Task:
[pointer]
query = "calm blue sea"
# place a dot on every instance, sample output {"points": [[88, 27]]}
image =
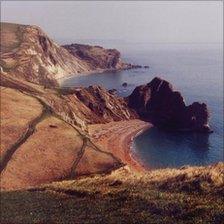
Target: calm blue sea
{"points": [[194, 69]]}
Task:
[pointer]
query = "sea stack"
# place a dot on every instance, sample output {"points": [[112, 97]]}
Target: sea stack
{"points": [[158, 103]]}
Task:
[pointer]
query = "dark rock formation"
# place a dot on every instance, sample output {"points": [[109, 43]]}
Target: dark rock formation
{"points": [[112, 91], [136, 66], [130, 66], [158, 103]]}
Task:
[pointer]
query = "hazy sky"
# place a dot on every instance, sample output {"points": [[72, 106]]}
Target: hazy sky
{"points": [[141, 21]]}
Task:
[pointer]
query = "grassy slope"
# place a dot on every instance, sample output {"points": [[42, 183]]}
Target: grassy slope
{"points": [[122, 197], [40, 149], [17, 111]]}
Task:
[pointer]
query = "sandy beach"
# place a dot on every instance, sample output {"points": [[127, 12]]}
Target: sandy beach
{"points": [[117, 137]]}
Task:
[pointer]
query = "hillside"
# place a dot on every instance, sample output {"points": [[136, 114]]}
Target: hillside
{"points": [[32, 117], [185, 196], [28, 53]]}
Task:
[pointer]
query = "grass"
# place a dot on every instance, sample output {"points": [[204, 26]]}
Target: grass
{"points": [[106, 199], [17, 111]]}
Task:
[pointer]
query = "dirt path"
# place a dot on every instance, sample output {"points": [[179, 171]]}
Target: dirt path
{"points": [[5, 158], [80, 155]]}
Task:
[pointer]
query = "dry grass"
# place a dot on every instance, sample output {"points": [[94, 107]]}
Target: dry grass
{"points": [[120, 197], [17, 110], [205, 179], [94, 161], [54, 151], [47, 155]]}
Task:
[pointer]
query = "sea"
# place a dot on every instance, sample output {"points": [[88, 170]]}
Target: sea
{"points": [[196, 70]]}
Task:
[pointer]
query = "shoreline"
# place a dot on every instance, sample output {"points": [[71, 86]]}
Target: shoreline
{"points": [[134, 156], [97, 71], [61, 79], [117, 138]]}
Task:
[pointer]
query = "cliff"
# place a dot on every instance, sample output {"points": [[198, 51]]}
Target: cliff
{"points": [[28, 53], [160, 104], [97, 57]]}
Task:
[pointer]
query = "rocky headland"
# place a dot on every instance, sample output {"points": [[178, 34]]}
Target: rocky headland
{"points": [[81, 138], [98, 58], [158, 103]]}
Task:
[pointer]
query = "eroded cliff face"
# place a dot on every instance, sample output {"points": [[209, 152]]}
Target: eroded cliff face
{"points": [[160, 104], [106, 106], [28, 53]]}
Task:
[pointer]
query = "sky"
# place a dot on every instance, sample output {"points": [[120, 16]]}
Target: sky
{"points": [[132, 21]]}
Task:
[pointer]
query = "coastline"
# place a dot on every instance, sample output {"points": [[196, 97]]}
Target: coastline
{"points": [[117, 138], [97, 71], [134, 156]]}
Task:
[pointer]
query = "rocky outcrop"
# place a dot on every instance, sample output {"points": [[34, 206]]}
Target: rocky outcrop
{"points": [[104, 105], [97, 57], [160, 104]]}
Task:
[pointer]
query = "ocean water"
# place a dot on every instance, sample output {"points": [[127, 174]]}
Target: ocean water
{"points": [[196, 70]]}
